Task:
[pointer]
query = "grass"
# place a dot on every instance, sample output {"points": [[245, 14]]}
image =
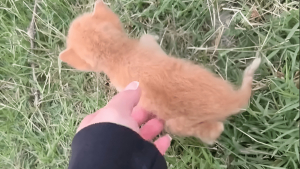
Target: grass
{"points": [[222, 35]]}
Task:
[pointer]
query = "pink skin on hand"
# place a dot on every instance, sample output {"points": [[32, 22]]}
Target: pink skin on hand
{"points": [[122, 110]]}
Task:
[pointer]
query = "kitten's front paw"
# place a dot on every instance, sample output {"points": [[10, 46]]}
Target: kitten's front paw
{"points": [[209, 132], [149, 38]]}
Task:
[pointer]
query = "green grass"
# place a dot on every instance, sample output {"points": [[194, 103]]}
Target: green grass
{"points": [[265, 136]]}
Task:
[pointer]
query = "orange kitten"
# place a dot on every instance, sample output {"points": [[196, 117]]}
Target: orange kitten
{"points": [[192, 100]]}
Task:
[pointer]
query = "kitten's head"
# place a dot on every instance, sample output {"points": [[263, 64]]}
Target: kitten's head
{"points": [[91, 37]]}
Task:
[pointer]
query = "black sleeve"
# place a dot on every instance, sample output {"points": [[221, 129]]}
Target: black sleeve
{"points": [[111, 146]]}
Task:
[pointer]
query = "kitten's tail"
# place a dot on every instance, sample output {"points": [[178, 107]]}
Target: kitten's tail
{"points": [[244, 93]]}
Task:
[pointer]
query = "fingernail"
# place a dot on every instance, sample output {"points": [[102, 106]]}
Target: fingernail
{"points": [[169, 137], [132, 86]]}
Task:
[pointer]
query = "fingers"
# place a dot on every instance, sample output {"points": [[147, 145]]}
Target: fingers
{"points": [[126, 100], [140, 115], [151, 129], [163, 143]]}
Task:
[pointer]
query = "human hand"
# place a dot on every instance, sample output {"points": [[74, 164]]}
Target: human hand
{"points": [[122, 110]]}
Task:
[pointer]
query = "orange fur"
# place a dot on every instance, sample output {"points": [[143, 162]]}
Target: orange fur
{"points": [[192, 100]]}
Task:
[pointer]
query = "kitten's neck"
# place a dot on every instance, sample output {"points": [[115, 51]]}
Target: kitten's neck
{"points": [[118, 67], [123, 53]]}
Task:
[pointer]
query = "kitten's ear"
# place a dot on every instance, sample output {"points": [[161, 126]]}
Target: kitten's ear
{"points": [[101, 9], [71, 58], [105, 13]]}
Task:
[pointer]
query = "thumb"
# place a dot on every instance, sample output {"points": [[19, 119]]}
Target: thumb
{"points": [[125, 101]]}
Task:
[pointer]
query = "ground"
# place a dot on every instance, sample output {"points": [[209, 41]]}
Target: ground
{"points": [[42, 100]]}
